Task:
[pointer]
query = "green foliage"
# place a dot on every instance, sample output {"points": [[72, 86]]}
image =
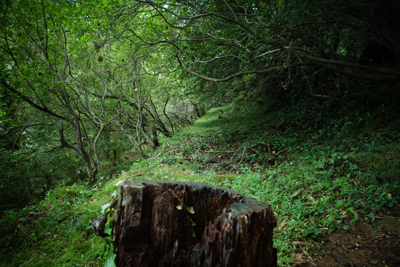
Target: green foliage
{"points": [[315, 187], [108, 81], [332, 176], [108, 246], [27, 178], [56, 231]]}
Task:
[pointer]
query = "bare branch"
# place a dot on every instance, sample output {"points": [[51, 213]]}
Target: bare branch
{"points": [[335, 98], [220, 57], [352, 74], [352, 65], [240, 149], [178, 55], [30, 102]]}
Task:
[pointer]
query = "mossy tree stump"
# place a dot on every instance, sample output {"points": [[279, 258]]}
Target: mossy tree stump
{"points": [[164, 223]]}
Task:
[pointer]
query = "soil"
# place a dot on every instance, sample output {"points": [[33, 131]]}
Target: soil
{"points": [[364, 244]]}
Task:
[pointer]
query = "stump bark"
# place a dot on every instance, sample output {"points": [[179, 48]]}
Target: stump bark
{"points": [[164, 223]]}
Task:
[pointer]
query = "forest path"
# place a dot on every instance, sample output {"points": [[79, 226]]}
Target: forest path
{"points": [[361, 245]]}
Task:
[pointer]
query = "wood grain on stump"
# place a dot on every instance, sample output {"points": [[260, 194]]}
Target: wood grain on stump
{"points": [[165, 223]]}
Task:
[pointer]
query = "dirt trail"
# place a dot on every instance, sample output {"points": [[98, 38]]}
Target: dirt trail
{"points": [[361, 245]]}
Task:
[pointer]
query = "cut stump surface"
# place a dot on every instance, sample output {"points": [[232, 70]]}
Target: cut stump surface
{"points": [[165, 223]]}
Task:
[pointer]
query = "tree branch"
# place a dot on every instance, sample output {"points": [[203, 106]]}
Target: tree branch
{"points": [[178, 55], [30, 102]]}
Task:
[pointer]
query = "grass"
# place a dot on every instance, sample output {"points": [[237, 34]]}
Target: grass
{"points": [[320, 171]]}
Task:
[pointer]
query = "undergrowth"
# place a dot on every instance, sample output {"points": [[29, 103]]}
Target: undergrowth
{"points": [[321, 169]]}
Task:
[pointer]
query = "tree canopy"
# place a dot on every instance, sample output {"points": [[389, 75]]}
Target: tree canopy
{"points": [[79, 78]]}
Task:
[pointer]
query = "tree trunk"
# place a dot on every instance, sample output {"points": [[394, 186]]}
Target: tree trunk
{"points": [[137, 145], [162, 223]]}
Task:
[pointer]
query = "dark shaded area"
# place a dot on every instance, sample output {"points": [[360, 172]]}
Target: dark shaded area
{"points": [[378, 54]]}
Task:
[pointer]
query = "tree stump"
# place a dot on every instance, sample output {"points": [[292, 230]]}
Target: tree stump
{"points": [[164, 223]]}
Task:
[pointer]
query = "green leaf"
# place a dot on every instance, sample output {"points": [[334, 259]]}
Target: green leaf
{"points": [[111, 261], [355, 219], [179, 207], [107, 230], [321, 165], [330, 172], [190, 210], [104, 207]]}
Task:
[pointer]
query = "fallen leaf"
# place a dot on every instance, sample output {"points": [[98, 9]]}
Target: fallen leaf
{"points": [[295, 243], [342, 259], [318, 253], [299, 259]]}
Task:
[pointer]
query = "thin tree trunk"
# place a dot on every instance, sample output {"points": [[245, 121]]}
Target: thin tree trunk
{"points": [[165, 114]]}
